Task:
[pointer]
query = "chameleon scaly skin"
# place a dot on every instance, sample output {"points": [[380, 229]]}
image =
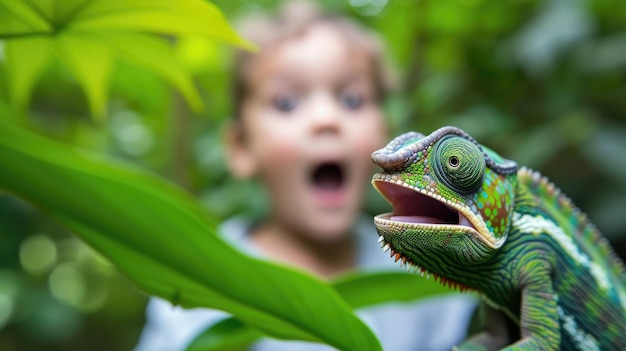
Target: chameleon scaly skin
{"points": [[477, 222]]}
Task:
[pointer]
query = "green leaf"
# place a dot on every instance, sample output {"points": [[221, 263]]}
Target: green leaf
{"points": [[154, 54], [367, 289], [17, 17], [227, 334], [179, 17], [358, 289], [91, 63], [89, 35], [165, 242], [24, 67]]}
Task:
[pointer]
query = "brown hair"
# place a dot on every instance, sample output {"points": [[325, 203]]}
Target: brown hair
{"points": [[292, 20]]}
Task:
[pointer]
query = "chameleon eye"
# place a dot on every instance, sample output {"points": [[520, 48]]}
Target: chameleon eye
{"points": [[454, 162], [459, 164]]}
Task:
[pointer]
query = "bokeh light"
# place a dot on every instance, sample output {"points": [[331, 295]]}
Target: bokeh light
{"points": [[38, 254], [67, 284]]}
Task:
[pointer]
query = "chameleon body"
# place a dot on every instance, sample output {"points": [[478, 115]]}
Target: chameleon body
{"points": [[478, 222]]}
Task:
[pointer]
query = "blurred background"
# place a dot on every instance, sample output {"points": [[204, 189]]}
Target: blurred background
{"points": [[542, 82]]}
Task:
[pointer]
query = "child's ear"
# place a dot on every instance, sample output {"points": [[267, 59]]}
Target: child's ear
{"points": [[240, 158]]}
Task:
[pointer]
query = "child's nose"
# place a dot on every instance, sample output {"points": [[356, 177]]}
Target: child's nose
{"points": [[325, 114]]}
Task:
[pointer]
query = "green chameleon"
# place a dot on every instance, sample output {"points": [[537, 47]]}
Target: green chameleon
{"points": [[477, 222]]}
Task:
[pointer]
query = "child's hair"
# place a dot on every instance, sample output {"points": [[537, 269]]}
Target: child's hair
{"points": [[292, 20]]}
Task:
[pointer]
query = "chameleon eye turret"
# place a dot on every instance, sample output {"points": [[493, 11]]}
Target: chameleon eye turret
{"points": [[459, 164]]}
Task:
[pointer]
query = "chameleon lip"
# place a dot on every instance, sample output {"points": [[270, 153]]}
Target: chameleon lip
{"points": [[413, 207]]}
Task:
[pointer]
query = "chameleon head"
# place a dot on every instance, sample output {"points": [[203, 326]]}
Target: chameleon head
{"points": [[452, 199]]}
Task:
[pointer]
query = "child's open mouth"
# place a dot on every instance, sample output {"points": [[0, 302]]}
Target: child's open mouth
{"points": [[328, 176], [328, 181]]}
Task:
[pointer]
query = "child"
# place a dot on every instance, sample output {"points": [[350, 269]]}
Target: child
{"points": [[308, 116]]}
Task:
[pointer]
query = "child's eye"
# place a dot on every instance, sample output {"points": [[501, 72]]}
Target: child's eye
{"points": [[350, 99], [286, 102]]}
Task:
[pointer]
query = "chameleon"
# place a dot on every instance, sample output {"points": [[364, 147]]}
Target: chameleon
{"points": [[476, 221]]}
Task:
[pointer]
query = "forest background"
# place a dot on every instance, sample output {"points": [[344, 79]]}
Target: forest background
{"points": [[543, 82]]}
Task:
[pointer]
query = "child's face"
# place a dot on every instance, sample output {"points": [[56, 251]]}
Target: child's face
{"points": [[310, 123]]}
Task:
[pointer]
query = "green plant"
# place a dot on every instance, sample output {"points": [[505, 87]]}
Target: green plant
{"points": [[88, 37], [165, 242], [155, 233]]}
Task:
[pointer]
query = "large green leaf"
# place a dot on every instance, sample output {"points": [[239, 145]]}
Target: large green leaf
{"points": [[88, 36], [164, 242], [372, 288], [24, 68], [18, 17], [152, 53], [359, 290], [91, 63], [228, 334], [196, 17]]}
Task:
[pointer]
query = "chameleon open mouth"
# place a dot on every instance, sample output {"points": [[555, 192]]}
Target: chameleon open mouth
{"points": [[411, 206]]}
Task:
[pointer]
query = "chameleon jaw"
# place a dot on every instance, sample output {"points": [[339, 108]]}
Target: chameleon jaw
{"points": [[415, 208], [413, 267]]}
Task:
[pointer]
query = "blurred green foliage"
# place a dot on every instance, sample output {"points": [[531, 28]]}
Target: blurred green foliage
{"points": [[541, 82], [165, 243]]}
